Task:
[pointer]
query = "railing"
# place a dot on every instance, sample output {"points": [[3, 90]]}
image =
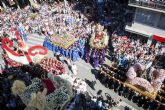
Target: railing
{"points": [[160, 5]]}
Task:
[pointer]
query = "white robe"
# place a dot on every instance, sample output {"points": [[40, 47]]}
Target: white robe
{"points": [[74, 69]]}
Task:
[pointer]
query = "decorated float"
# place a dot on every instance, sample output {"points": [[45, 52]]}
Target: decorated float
{"points": [[134, 81], [97, 45], [69, 34], [44, 94], [66, 44], [142, 85], [99, 38], [22, 54], [62, 41]]}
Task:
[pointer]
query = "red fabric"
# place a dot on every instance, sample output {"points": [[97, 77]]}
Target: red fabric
{"points": [[124, 37], [63, 70], [49, 85], [21, 44], [36, 47], [28, 58], [54, 68], [158, 38], [7, 47]]}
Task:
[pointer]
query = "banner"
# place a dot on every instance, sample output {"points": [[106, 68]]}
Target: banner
{"points": [[158, 38]]}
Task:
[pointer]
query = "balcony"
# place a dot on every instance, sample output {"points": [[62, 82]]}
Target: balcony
{"points": [[151, 5], [145, 30]]}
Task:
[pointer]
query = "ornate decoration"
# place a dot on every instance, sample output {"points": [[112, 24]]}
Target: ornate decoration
{"points": [[99, 39]]}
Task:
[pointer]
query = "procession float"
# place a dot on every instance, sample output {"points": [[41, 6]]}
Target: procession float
{"points": [[99, 38], [136, 81], [69, 37], [52, 93], [22, 54], [97, 45], [47, 90]]}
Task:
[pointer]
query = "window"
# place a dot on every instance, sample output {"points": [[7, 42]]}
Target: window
{"points": [[161, 23], [145, 17]]}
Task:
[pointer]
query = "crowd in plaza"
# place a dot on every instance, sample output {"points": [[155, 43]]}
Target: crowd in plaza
{"points": [[73, 31], [129, 51]]}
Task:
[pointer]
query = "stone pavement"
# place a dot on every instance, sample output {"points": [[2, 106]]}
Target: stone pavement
{"points": [[84, 72]]}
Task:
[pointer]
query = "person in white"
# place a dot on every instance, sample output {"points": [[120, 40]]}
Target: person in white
{"points": [[74, 69]]}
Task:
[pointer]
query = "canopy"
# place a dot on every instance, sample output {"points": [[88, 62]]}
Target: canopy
{"points": [[158, 38]]}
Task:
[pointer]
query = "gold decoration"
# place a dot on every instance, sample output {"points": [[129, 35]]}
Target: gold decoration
{"points": [[99, 37]]}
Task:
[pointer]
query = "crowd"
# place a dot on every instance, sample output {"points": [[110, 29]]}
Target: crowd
{"points": [[58, 18], [128, 51], [88, 102], [61, 19], [115, 15], [113, 78]]}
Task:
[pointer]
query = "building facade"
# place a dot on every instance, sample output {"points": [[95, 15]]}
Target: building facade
{"points": [[149, 19]]}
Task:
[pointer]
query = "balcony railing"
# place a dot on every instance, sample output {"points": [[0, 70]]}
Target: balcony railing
{"points": [[160, 5]]}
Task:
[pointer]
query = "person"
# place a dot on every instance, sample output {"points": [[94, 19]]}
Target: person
{"points": [[74, 69], [1, 68]]}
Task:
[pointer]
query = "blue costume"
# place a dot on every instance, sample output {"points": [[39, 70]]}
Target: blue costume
{"points": [[70, 53], [67, 53], [22, 33], [74, 56]]}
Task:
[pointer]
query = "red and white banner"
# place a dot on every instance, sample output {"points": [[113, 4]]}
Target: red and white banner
{"points": [[28, 56]]}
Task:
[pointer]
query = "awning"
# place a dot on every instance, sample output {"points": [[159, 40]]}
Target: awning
{"points": [[138, 31], [158, 38]]}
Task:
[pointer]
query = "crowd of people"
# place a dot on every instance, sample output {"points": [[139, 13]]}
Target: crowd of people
{"points": [[88, 102], [113, 78], [62, 19], [128, 51]]}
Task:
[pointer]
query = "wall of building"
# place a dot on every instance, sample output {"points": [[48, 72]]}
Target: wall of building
{"points": [[150, 18]]}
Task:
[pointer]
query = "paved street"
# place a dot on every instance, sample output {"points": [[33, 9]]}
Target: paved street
{"points": [[84, 72]]}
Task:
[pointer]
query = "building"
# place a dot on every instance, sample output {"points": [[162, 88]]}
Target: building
{"points": [[149, 19]]}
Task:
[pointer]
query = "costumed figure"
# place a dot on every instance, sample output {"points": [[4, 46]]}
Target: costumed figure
{"points": [[99, 41], [99, 37]]}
